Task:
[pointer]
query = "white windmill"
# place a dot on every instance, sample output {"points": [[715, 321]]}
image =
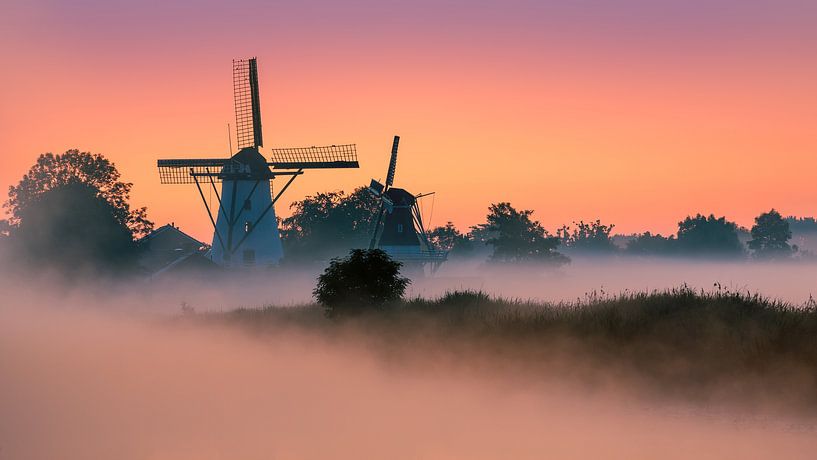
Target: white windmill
{"points": [[245, 230]]}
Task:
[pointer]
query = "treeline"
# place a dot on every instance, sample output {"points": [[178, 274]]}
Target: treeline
{"points": [[72, 211], [329, 224]]}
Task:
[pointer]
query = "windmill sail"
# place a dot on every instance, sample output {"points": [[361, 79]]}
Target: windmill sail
{"points": [[247, 103], [392, 162]]}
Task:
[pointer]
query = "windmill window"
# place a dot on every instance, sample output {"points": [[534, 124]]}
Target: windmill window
{"points": [[247, 227], [247, 204], [399, 228], [249, 257]]}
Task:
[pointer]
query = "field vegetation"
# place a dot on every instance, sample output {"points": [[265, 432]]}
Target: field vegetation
{"points": [[710, 347]]}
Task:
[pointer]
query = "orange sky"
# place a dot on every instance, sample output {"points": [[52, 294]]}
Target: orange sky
{"points": [[573, 113]]}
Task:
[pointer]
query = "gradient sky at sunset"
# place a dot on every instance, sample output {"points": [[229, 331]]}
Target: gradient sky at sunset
{"points": [[637, 112]]}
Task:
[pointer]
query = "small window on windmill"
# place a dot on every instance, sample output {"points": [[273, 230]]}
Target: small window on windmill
{"points": [[249, 257], [247, 227], [247, 204], [399, 228]]}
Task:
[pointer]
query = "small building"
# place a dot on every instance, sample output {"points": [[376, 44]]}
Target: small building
{"points": [[169, 250]]}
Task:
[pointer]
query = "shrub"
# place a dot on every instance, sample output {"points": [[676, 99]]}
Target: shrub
{"points": [[365, 279], [466, 298]]}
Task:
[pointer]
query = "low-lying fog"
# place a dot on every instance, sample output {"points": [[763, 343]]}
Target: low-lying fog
{"points": [[78, 384], [89, 372], [792, 282]]}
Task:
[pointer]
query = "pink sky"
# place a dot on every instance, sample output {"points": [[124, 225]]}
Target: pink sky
{"points": [[637, 113]]}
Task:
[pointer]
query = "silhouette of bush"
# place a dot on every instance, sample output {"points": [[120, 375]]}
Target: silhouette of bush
{"points": [[366, 279], [467, 298]]}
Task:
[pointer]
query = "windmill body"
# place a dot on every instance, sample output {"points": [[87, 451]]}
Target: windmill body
{"points": [[245, 229], [399, 230], [243, 200], [399, 234]]}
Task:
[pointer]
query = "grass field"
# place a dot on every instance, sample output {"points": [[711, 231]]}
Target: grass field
{"points": [[719, 346]]}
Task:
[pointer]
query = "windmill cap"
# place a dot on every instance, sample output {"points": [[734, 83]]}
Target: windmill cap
{"points": [[251, 158], [400, 197]]}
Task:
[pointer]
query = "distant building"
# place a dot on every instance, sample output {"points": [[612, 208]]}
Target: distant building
{"points": [[169, 250]]}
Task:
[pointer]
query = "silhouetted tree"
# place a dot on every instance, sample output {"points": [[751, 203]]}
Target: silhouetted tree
{"points": [[770, 236], [649, 244], [450, 239], [709, 236], [72, 228], [74, 167], [365, 279], [327, 224], [588, 237], [517, 238]]}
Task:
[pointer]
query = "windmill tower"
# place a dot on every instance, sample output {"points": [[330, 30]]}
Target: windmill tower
{"points": [[399, 228], [245, 230]]}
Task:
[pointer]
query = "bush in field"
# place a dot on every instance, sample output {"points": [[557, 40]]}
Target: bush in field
{"points": [[365, 279]]}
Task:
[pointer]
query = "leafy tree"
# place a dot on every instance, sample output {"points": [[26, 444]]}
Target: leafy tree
{"points": [[70, 227], [515, 237], [328, 224], [450, 239], [770, 236], [709, 236], [588, 237], [51, 172], [365, 279], [649, 244]]}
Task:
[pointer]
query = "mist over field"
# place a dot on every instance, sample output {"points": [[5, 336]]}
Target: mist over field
{"points": [[792, 282], [789, 281], [92, 372]]}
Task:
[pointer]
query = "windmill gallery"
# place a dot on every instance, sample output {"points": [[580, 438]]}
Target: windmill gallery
{"points": [[245, 228]]}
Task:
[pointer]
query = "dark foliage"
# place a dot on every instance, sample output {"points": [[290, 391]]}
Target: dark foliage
{"points": [[327, 225], [654, 245], [515, 237], [591, 237], [448, 238], [802, 224], [770, 236], [365, 279], [74, 167], [72, 228], [709, 236]]}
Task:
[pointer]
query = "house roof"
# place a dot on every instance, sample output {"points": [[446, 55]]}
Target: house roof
{"points": [[169, 228]]}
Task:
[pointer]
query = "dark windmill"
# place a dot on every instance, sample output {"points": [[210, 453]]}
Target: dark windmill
{"points": [[245, 230], [399, 228]]}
